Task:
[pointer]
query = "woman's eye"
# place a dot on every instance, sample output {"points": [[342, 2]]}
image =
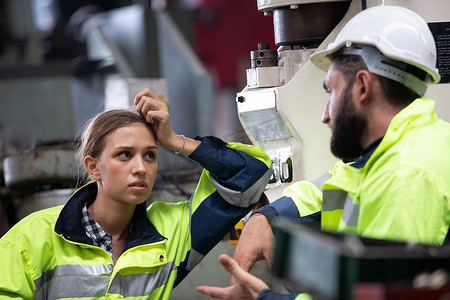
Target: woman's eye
{"points": [[150, 155], [124, 154]]}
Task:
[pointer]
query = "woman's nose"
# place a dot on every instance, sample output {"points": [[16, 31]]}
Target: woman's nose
{"points": [[138, 165]]}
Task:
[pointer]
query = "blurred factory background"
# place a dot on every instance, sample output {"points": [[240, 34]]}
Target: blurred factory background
{"points": [[61, 62]]}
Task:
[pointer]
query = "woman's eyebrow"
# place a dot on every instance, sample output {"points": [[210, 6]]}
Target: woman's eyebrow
{"points": [[131, 147]]}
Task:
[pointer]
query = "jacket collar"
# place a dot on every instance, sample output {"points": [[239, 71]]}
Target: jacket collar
{"points": [[367, 153], [69, 223], [419, 112]]}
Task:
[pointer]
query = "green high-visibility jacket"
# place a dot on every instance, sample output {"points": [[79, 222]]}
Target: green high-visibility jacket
{"points": [[48, 255], [399, 189]]}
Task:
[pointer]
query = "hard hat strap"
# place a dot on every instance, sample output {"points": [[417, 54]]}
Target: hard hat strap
{"points": [[379, 64]]}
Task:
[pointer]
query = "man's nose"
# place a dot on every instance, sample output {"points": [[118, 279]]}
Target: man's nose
{"points": [[326, 113]]}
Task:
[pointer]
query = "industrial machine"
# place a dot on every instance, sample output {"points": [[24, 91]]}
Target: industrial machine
{"points": [[282, 104]]}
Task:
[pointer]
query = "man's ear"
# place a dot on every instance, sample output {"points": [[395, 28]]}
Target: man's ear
{"points": [[364, 86], [91, 167]]}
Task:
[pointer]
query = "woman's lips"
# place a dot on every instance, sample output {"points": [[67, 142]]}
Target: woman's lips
{"points": [[138, 186]]}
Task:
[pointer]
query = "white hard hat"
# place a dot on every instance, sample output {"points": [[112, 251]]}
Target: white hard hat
{"points": [[399, 34]]}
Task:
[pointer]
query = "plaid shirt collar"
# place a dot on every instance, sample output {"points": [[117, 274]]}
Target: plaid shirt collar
{"points": [[99, 236]]}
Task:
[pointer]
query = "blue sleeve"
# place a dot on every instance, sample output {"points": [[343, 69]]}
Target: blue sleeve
{"points": [[233, 169], [229, 187], [271, 295], [285, 207]]}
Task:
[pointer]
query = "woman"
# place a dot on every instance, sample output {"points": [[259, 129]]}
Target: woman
{"points": [[104, 242]]}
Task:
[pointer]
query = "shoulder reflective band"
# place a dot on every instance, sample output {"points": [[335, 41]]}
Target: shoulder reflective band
{"points": [[338, 199]]}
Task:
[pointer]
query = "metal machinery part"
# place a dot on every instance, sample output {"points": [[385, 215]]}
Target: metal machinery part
{"points": [[264, 57], [51, 163], [307, 25], [303, 22], [281, 106], [42, 177], [267, 6]]}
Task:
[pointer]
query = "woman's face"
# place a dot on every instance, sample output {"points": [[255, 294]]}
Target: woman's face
{"points": [[127, 166]]}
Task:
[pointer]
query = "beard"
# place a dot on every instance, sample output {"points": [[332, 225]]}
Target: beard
{"points": [[348, 130]]}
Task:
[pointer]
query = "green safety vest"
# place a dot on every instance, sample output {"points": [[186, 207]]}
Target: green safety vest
{"points": [[401, 193]]}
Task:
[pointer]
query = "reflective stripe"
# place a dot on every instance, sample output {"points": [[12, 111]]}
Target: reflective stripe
{"points": [[64, 281], [350, 214], [320, 181], [136, 285], [333, 199], [191, 200], [339, 199], [194, 258], [246, 198]]}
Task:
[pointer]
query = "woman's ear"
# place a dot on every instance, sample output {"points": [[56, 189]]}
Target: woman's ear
{"points": [[91, 167]]}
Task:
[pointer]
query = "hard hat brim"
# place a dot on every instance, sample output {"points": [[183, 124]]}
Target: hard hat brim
{"points": [[321, 60]]}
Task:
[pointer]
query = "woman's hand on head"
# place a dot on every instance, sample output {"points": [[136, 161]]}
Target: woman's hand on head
{"points": [[156, 112]]}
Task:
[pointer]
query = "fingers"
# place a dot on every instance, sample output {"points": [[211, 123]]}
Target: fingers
{"points": [[245, 262], [147, 104], [214, 292], [247, 265], [252, 283], [146, 107], [246, 285], [146, 101], [156, 112], [218, 292], [231, 266], [144, 92]]}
